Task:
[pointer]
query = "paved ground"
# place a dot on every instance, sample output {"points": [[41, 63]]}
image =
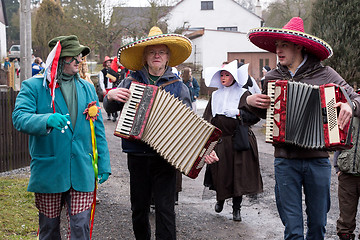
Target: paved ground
{"points": [[195, 215], [196, 218]]}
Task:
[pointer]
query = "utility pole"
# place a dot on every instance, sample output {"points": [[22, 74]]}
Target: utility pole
{"points": [[25, 40]]}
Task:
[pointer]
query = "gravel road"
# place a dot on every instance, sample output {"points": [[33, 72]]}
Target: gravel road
{"points": [[195, 215]]}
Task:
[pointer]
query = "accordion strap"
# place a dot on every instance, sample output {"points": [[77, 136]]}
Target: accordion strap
{"points": [[132, 79], [162, 85], [169, 82], [348, 138]]}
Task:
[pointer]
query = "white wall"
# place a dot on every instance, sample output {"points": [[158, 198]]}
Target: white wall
{"points": [[3, 52], [213, 46], [226, 13]]}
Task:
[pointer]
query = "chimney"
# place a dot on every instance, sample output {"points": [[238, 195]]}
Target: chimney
{"points": [[258, 9]]}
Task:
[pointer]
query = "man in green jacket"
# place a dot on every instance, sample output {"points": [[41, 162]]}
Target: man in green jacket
{"points": [[57, 111]]}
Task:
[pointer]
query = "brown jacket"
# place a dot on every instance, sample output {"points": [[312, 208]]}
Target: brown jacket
{"points": [[314, 73]]}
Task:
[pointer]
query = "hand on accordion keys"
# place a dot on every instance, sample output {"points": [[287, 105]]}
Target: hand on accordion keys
{"points": [[211, 158], [118, 94], [258, 100], [345, 114]]}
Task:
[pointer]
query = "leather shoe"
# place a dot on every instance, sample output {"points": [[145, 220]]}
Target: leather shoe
{"points": [[219, 206], [237, 215]]}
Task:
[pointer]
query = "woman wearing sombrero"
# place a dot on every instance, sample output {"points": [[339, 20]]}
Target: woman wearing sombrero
{"points": [[151, 60], [300, 55]]}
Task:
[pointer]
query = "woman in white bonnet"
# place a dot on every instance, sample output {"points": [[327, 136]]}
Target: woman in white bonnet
{"points": [[237, 172]]}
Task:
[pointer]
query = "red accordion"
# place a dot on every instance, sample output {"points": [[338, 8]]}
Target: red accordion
{"points": [[304, 115], [157, 118]]}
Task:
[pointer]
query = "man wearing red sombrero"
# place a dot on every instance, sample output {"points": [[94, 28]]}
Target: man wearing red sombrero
{"points": [[151, 60], [300, 55]]}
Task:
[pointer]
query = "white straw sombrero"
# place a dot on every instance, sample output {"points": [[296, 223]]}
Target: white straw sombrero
{"points": [[131, 55]]}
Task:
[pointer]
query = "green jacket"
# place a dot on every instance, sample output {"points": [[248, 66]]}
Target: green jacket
{"points": [[59, 161], [349, 160]]}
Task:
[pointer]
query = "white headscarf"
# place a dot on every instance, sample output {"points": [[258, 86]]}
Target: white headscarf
{"points": [[226, 98]]}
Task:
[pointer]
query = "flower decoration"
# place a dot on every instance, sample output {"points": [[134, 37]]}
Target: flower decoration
{"points": [[92, 111]]}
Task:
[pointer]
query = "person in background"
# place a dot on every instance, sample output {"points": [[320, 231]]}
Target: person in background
{"points": [[107, 77], [299, 169], [83, 71], [175, 71], [55, 113], [192, 84], [265, 69], [237, 172], [150, 60], [7, 64], [347, 167], [17, 67], [37, 66], [115, 65]]}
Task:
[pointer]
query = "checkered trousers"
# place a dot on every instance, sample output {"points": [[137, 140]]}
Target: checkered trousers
{"points": [[50, 204]]}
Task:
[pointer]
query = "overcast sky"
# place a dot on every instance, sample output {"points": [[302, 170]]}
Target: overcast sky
{"points": [[145, 3], [137, 3]]}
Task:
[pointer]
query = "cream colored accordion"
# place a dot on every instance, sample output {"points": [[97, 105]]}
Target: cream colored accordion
{"points": [[304, 115], [157, 118]]}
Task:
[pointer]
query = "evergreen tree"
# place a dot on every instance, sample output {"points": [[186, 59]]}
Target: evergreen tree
{"points": [[13, 30], [48, 23], [337, 22]]}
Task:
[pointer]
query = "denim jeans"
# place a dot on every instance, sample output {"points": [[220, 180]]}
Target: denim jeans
{"points": [[291, 177]]}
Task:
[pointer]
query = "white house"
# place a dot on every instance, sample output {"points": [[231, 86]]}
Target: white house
{"points": [[218, 30], [3, 24]]}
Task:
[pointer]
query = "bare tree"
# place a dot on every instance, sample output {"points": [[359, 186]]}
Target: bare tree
{"points": [[280, 12]]}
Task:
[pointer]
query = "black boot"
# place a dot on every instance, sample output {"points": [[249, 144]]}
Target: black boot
{"points": [[236, 208], [114, 115], [237, 215], [219, 206]]}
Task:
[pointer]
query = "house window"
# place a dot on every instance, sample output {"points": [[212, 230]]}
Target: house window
{"points": [[233, 29], [207, 5]]}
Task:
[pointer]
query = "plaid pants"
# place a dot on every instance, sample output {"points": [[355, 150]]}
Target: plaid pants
{"points": [[50, 205]]}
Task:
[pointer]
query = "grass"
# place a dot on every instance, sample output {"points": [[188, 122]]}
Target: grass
{"points": [[19, 216]]}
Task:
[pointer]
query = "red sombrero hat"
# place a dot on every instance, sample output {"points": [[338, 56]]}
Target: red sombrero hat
{"points": [[293, 31]]}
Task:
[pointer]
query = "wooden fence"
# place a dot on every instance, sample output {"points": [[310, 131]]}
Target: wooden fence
{"points": [[14, 148]]}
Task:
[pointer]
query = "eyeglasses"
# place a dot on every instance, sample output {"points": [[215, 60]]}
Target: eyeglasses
{"points": [[76, 59], [160, 53]]}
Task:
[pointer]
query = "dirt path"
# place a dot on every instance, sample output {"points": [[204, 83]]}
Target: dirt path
{"points": [[195, 215]]}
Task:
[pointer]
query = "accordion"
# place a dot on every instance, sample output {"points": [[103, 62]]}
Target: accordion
{"points": [[173, 130], [304, 115]]}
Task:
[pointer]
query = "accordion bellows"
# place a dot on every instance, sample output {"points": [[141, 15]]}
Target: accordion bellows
{"points": [[304, 115], [166, 124]]}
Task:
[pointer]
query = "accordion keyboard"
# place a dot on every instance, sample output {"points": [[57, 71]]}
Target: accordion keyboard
{"points": [[130, 107], [270, 112]]}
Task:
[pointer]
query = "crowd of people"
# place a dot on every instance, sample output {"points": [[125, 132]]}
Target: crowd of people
{"points": [[70, 156]]}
